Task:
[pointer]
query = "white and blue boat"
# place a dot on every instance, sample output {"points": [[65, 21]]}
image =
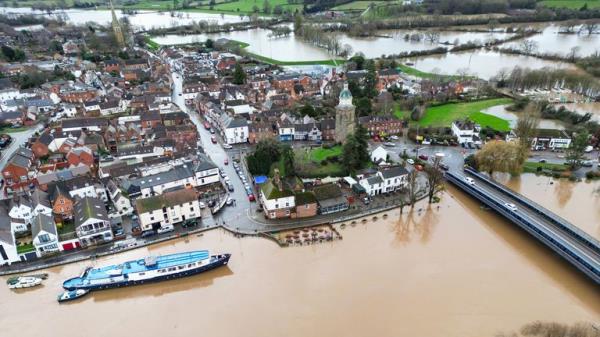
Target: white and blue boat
{"points": [[146, 270]]}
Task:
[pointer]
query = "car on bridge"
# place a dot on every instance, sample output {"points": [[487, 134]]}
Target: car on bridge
{"points": [[469, 181], [510, 206]]}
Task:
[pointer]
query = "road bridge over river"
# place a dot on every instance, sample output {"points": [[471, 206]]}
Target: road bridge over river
{"points": [[565, 239]]}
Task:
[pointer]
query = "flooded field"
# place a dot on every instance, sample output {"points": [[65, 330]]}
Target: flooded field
{"points": [[512, 118], [481, 63], [453, 271], [141, 20], [583, 108], [552, 42]]}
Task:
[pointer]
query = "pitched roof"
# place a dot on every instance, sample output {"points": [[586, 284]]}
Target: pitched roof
{"points": [[327, 191], [42, 222], [89, 208], [272, 192], [167, 199], [392, 172]]}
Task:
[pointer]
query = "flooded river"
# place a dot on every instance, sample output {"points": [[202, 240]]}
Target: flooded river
{"points": [[454, 271]]}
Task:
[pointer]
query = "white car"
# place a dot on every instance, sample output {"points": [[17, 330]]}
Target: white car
{"points": [[226, 178], [510, 206], [229, 201], [410, 161], [389, 144], [469, 181], [165, 229], [227, 146], [202, 205], [394, 137]]}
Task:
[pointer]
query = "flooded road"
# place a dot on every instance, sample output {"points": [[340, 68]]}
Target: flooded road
{"points": [[453, 271]]}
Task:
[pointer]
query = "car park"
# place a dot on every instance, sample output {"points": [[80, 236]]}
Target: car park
{"points": [[469, 181], [510, 206]]}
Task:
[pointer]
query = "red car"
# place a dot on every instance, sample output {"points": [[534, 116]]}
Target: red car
{"points": [[213, 139], [423, 157], [206, 125], [226, 162], [251, 197]]}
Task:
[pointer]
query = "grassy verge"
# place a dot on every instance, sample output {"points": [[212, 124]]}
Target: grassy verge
{"points": [[533, 167], [14, 130], [26, 248], [422, 74], [573, 4], [444, 115], [356, 5], [152, 45]]}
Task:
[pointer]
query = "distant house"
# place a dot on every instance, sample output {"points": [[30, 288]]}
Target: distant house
{"points": [[379, 155], [330, 198], [306, 204], [81, 155], [17, 168], [278, 202], [44, 234], [206, 171], [236, 131], [92, 224], [373, 185], [394, 179], [180, 176], [168, 209], [8, 246], [466, 132]]}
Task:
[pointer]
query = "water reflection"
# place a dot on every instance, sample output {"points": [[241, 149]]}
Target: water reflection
{"points": [[416, 223]]}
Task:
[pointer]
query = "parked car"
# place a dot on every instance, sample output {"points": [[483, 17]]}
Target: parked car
{"points": [[136, 229], [587, 163], [229, 201], [444, 167], [212, 131], [419, 167], [410, 161], [542, 160], [423, 157], [202, 205], [230, 187], [251, 197], [148, 233], [366, 200], [206, 125], [227, 146], [226, 161], [189, 223], [213, 139], [222, 173], [211, 203], [165, 229], [389, 144], [510, 206]]}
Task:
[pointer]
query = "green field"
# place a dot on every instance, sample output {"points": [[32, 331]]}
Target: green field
{"points": [[573, 4], [444, 115], [247, 6], [356, 5]]}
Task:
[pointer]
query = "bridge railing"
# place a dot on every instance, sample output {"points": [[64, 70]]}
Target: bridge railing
{"points": [[568, 227], [554, 242]]}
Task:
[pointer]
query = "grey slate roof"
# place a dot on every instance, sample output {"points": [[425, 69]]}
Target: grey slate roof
{"points": [[374, 180], [42, 222], [392, 172], [178, 173], [88, 208]]}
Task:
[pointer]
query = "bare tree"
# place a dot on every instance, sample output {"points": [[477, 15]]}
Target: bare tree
{"points": [[432, 36], [526, 128], [573, 53], [435, 178], [528, 46], [412, 188]]}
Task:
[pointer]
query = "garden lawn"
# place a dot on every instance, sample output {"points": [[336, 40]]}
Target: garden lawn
{"points": [[444, 115], [319, 154], [573, 4], [399, 113], [26, 248]]}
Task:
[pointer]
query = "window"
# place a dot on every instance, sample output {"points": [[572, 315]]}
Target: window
{"points": [[151, 218], [44, 238]]}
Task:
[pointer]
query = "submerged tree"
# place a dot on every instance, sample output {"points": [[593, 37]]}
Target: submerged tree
{"points": [[499, 156], [576, 151], [435, 178]]}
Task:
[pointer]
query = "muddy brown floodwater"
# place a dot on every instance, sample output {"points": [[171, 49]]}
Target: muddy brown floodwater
{"points": [[453, 271]]}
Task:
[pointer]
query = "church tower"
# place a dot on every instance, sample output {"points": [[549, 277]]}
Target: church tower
{"points": [[116, 26], [345, 120]]}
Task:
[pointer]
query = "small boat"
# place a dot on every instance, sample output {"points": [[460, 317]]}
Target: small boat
{"points": [[24, 282], [43, 276], [70, 295]]}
